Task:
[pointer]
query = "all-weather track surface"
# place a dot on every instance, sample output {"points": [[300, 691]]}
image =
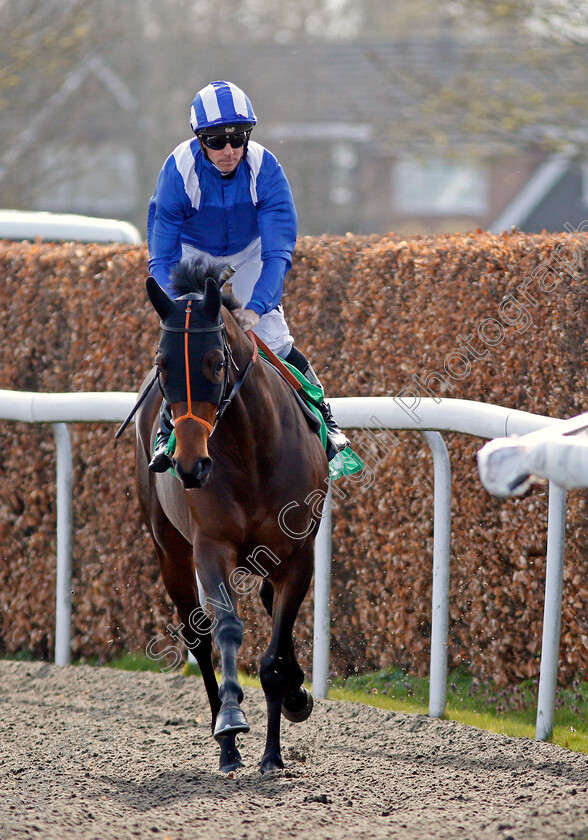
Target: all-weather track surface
{"points": [[94, 754]]}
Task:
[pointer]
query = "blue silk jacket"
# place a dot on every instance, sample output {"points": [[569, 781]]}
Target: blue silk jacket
{"points": [[194, 203]]}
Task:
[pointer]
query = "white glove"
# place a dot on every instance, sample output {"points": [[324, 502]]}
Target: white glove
{"points": [[246, 318]]}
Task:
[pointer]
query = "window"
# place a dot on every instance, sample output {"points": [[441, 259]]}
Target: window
{"points": [[88, 180], [440, 188], [344, 160]]}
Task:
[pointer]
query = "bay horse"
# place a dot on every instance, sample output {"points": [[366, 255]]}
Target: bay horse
{"points": [[244, 500]]}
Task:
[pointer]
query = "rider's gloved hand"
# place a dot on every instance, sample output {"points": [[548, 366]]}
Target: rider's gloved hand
{"points": [[246, 318]]}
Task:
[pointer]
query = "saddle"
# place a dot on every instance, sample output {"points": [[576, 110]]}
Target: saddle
{"points": [[308, 396]]}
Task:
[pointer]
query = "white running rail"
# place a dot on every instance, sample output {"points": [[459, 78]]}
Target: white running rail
{"points": [[427, 415], [508, 467]]}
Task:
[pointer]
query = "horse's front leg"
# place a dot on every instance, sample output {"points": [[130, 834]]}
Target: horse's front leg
{"points": [[199, 644], [177, 569], [281, 676], [214, 565]]}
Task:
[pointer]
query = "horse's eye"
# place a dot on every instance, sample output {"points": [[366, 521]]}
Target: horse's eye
{"points": [[213, 366]]}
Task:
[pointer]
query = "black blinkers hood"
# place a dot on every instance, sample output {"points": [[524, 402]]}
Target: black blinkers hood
{"points": [[197, 317]]}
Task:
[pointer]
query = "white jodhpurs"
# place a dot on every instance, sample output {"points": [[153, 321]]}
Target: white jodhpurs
{"points": [[272, 327]]}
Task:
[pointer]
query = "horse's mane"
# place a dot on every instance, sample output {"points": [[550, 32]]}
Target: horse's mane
{"points": [[190, 276]]}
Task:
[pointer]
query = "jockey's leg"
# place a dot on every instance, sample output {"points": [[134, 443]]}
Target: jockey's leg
{"points": [[161, 461], [337, 439]]}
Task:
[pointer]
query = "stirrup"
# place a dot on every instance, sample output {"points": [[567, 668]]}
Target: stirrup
{"points": [[336, 439], [161, 461]]}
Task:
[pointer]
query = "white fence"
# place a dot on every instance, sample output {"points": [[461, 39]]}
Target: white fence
{"points": [[426, 415], [509, 466]]}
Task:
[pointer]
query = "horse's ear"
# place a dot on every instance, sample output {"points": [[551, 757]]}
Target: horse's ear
{"points": [[162, 303], [212, 300]]}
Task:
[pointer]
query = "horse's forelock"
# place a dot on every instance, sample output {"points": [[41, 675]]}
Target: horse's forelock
{"points": [[190, 276]]}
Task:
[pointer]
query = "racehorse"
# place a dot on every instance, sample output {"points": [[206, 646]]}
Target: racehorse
{"points": [[245, 500]]}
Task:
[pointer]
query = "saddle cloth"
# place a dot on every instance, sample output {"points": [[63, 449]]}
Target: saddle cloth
{"points": [[345, 462]]}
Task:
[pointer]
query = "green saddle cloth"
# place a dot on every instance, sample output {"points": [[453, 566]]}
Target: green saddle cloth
{"points": [[345, 462]]}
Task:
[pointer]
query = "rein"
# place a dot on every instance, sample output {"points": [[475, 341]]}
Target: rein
{"points": [[137, 405], [226, 402]]}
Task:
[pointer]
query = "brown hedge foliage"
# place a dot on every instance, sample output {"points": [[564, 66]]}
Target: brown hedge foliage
{"points": [[370, 313]]}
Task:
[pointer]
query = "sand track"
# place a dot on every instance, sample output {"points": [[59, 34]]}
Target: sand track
{"points": [[94, 754]]}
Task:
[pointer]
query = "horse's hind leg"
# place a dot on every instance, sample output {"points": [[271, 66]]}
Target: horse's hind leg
{"points": [[275, 671], [298, 703], [179, 577], [266, 593]]}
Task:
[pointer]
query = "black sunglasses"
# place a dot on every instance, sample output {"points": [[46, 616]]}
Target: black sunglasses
{"points": [[219, 141]]}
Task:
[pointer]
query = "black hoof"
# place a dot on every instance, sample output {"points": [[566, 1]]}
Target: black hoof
{"points": [[299, 707], [230, 757], [231, 766], [230, 721], [271, 763]]}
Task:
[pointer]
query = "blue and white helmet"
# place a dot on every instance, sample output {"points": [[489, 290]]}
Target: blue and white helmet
{"points": [[221, 104]]}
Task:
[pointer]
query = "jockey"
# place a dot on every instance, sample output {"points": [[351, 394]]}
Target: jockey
{"points": [[224, 197]]}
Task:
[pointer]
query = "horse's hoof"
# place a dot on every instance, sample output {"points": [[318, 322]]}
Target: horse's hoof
{"points": [[230, 721], [231, 766], [230, 757], [300, 708], [271, 763]]}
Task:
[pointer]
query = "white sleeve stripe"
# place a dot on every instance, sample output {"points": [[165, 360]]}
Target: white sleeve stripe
{"points": [[254, 159], [185, 165]]}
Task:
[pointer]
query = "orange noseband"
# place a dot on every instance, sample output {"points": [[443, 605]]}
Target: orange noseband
{"points": [[190, 414]]}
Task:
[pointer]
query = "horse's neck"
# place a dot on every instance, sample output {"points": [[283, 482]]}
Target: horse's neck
{"points": [[255, 389], [241, 347]]}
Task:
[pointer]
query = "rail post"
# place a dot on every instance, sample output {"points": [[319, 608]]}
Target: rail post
{"points": [[556, 523], [64, 542], [440, 598], [322, 606]]}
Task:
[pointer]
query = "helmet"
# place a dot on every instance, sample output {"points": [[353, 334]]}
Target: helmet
{"points": [[221, 104]]}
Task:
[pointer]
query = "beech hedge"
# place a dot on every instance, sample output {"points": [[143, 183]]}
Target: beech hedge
{"points": [[497, 319]]}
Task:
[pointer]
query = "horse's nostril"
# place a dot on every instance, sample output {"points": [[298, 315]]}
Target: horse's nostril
{"points": [[197, 476], [202, 468]]}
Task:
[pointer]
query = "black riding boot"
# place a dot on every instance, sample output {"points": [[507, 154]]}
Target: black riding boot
{"points": [[161, 462], [335, 437]]}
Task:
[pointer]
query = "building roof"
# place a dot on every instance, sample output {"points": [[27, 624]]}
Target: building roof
{"points": [[504, 95]]}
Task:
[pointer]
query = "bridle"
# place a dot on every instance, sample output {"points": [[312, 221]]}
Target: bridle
{"points": [[228, 358]]}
